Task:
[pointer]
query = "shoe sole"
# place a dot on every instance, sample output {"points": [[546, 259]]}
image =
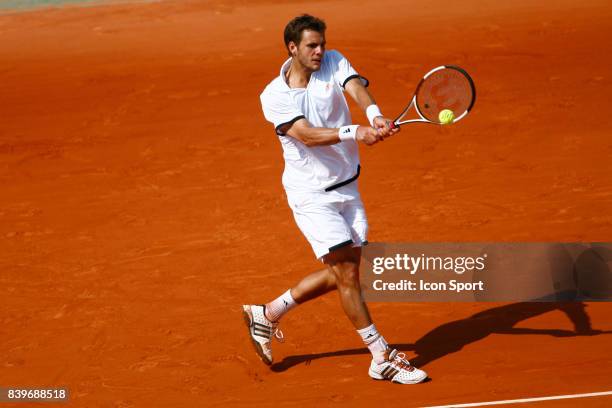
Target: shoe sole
{"points": [[248, 320]]}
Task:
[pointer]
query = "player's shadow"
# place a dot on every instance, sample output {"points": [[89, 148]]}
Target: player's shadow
{"points": [[453, 336]]}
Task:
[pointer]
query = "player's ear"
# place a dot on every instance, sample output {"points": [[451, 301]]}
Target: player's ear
{"points": [[292, 48]]}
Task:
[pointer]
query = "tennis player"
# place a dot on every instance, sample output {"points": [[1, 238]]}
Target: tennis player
{"points": [[307, 107]]}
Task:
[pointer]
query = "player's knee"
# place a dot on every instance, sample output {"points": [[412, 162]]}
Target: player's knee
{"points": [[347, 274], [331, 278]]}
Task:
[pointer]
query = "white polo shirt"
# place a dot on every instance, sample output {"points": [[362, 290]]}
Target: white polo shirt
{"points": [[322, 103]]}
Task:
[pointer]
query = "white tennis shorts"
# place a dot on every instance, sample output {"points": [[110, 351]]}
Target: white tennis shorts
{"points": [[330, 220]]}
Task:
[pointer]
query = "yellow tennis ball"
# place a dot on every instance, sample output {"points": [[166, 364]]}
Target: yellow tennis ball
{"points": [[446, 116]]}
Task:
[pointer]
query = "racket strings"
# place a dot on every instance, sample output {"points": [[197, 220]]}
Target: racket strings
{"points": [[444, 89]]}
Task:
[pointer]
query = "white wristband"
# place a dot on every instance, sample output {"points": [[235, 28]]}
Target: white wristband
{"points": [[372, 111], [348, 132]]}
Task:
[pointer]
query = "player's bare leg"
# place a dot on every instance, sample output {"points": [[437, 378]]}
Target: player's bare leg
{"points": [[386, 364], [344, 263], [314, 285]]}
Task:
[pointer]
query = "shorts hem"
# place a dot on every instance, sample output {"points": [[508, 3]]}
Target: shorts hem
{"points": [[341, 245]]}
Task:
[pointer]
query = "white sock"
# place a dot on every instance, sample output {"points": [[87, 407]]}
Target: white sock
{"points": [[279, 306], [375, 342]]}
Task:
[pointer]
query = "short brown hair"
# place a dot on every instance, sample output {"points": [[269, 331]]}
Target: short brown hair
{"points": [[294, 29]]}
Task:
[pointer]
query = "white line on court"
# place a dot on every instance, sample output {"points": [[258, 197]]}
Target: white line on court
{"points": [[517, 401]]}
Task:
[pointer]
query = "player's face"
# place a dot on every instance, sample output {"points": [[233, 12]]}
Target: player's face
{"points": [[310, 50]]}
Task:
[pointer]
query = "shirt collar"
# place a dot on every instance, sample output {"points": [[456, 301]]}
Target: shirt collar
{"points": [[283, 71]]}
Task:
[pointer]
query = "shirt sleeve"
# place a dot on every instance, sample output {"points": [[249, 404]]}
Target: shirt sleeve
{"points": [[279, 108], [343, 70]]}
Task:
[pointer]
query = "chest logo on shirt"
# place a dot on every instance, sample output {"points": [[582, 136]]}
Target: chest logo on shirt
{"points": [[327, 86]]}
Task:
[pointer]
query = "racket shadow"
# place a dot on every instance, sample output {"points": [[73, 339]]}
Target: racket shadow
{"points": [[453, 336]]}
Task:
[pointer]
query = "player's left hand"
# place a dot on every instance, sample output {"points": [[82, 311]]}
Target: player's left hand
{"points": [[381, 124]]}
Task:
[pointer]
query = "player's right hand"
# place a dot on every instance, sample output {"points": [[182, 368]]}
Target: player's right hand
{"points": [[368, 135], [382, 124]]}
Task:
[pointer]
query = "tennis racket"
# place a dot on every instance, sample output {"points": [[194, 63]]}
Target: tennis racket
{"points": [[444, 87]]}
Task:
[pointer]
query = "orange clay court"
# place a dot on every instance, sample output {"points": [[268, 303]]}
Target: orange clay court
{"points": [[141, 203]]}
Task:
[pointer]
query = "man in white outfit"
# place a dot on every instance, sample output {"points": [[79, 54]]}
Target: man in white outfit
{"points": [[307, 107]]}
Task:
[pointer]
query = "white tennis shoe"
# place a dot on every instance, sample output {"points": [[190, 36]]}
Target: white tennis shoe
{"points": [[261, 331], [396, 369]]}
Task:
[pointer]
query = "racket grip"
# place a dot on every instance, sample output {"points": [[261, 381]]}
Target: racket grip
{"points": [[392, 126]]}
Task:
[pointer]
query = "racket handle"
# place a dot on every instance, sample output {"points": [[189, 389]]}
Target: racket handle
{"points": [[392, 126]]}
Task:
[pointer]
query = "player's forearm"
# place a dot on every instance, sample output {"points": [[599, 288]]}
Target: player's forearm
{"points": [[314, 136], [318, 136]]}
